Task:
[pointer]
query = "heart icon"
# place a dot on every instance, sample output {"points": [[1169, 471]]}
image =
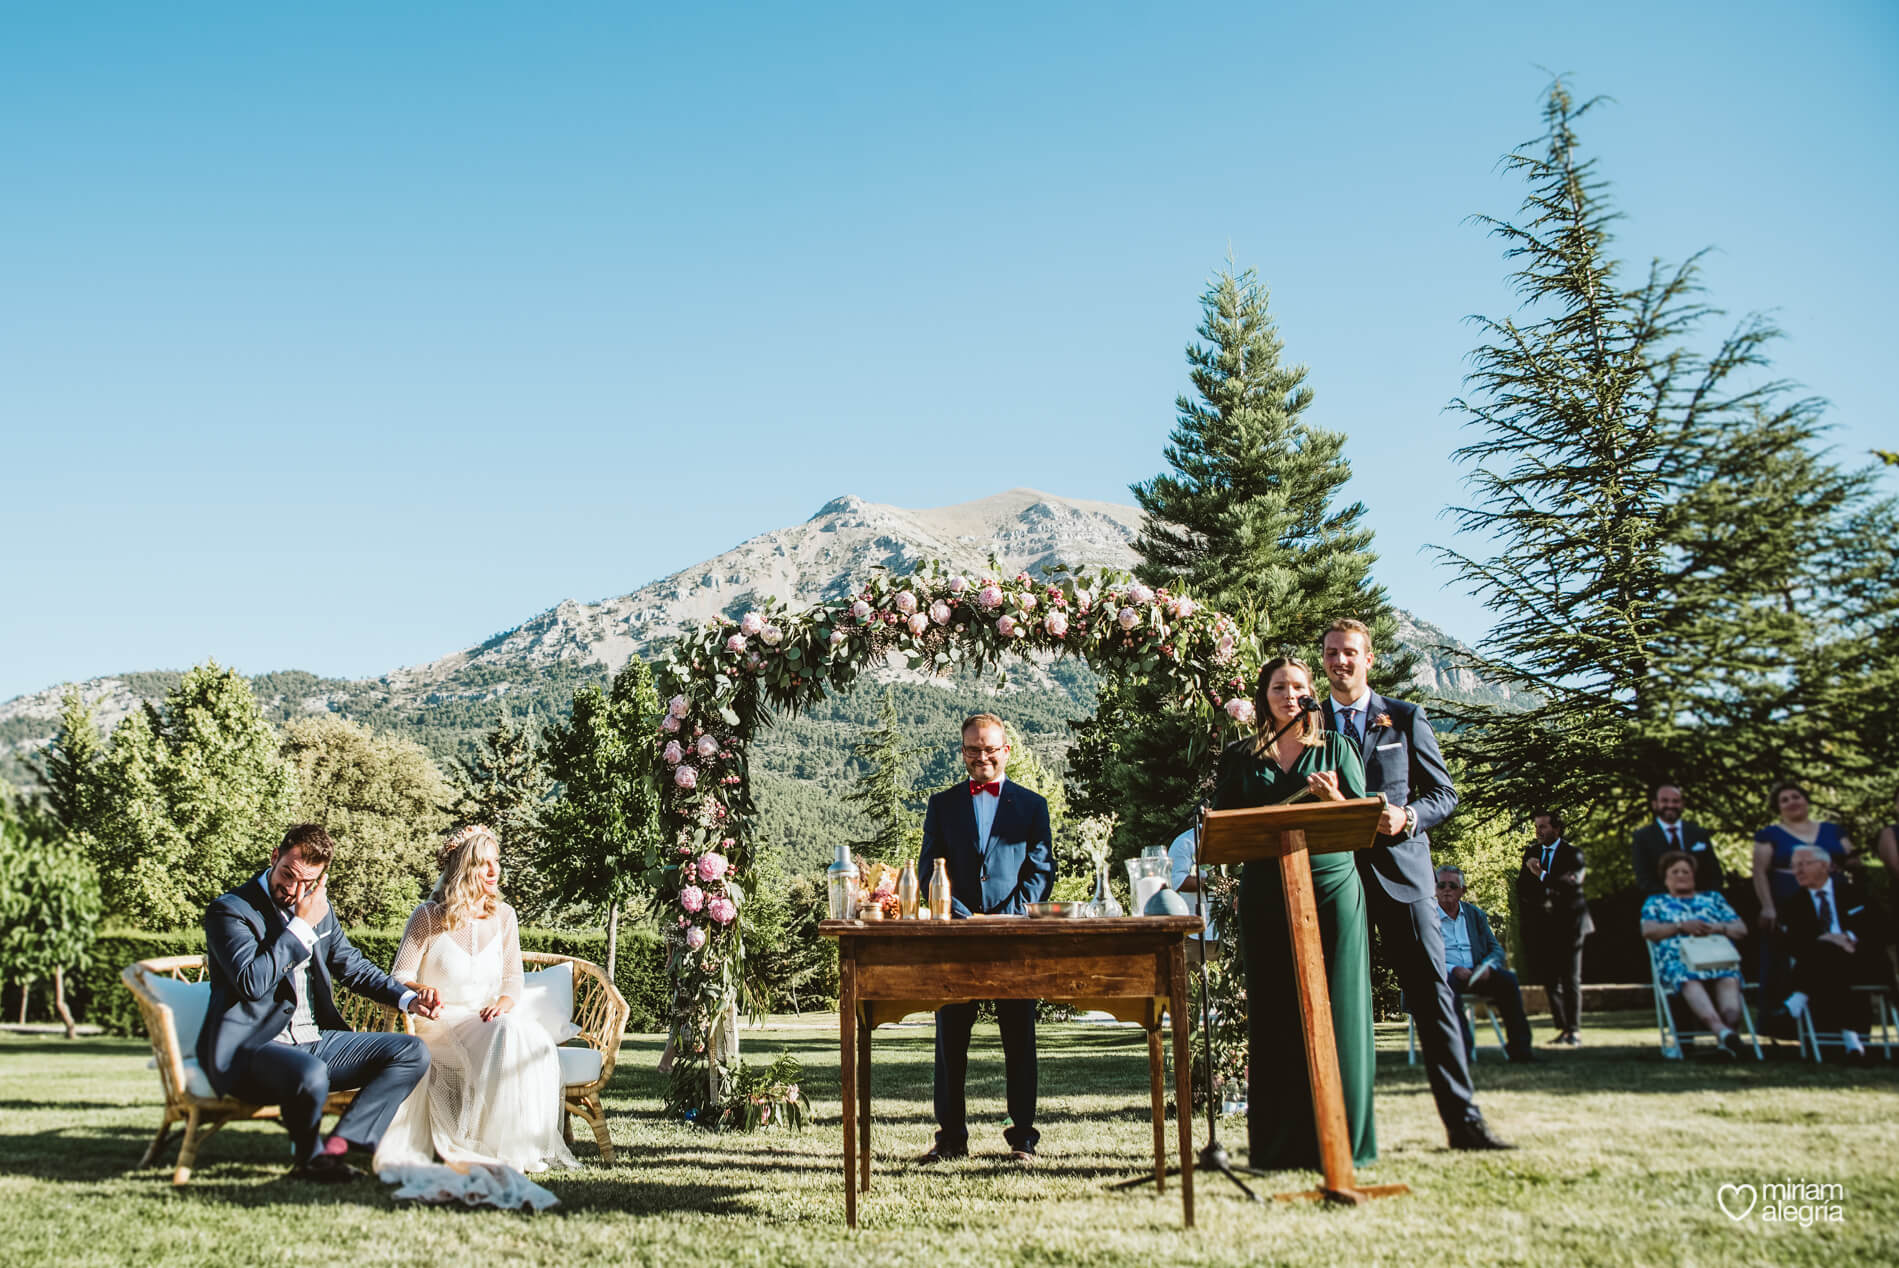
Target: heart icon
{"points": [[1721, 1195]]}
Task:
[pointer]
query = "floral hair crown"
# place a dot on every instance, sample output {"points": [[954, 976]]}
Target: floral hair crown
{"points": [[462, 838]]}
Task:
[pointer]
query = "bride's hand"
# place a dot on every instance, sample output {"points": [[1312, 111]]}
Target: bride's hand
{"points": [[503, 1005], [1325, 785]]}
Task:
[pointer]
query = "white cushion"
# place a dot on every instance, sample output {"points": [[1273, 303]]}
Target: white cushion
{"points": [[187, 1001], [579, 1065], [547, 996], [196, 1081]]}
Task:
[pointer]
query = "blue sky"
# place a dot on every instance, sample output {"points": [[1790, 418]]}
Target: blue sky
{"points": [[341, 337]]}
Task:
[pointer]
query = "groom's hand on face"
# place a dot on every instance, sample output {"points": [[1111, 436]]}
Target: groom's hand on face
{"points": [[314, 904]]}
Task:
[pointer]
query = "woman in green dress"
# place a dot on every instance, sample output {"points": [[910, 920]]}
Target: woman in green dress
{"points": [[1310, 762]]}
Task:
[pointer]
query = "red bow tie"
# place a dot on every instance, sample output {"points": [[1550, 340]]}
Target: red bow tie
{"points": [[976, 788]]}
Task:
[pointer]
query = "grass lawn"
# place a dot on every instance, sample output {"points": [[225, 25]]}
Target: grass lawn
{"points": [[1620, 1159]]}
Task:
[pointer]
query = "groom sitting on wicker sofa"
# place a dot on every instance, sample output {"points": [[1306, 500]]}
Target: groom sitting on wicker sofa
{"points": [[272, 1034]]}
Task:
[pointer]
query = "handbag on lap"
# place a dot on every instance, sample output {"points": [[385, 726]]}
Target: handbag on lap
{"points": [[1708, 951]]}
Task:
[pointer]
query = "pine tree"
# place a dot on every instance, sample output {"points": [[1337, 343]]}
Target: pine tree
{"points": [[504, 785], [192, 796], [1245, 521], [883, 792], [66, 768], [1694, 592], [601, 833]]}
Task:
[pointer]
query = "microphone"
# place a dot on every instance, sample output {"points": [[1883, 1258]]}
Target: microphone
{"points": [[1308, 705]]}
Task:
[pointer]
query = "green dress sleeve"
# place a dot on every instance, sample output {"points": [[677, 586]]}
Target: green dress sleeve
{"points": [[1350, 766]]}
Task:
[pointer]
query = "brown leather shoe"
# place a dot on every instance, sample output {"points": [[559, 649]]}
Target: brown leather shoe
{"points": [[1022, 1157]]}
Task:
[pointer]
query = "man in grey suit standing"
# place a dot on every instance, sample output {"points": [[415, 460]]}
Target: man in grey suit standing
{"points": [[1402, 760]]}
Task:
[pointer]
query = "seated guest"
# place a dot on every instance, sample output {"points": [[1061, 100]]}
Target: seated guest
{"points": [[1886, 845], [1774, 846], [1183, 879], [1832, 934], [1474, 960], [1667, 832], [272, 1034], [1682, 911]]}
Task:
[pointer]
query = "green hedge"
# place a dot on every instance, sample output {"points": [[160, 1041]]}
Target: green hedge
{"points": [[98, 997]]}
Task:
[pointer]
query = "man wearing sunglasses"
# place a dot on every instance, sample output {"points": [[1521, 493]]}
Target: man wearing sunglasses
{"points": [[994, 837]]}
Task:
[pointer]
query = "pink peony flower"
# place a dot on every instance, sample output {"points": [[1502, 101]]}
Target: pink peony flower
{"points": [[692, 898], [736, 643], [958, 584], [751, 623], [712, 866], [1183, 607], [1005, 626], [1129, 618], [708, 746], [990, 596], [1027, 600], [695, 938], [1224, 652], [669, 724], [772, 635], [673, 753], [677, 707], [1056, 624], [940, 612], [722, 909], [1022, 578], [906, 602], [1240, 710], [861, 610], [838, 636], [1138, 593], [685, 777], [919, 623]]}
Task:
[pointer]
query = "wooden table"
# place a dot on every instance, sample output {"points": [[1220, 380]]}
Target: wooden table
{"points": [[1133, 967]]}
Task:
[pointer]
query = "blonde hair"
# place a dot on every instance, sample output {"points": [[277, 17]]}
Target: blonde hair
{"points": [[459, 892], [1311, 726]]}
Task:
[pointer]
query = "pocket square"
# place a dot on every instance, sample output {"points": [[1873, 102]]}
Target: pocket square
{"points": [[1394, 744], [1854, 911]]}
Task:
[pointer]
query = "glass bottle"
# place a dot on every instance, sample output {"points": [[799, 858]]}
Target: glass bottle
{"points": [[841, 885], [940, 891], [907, 891]]}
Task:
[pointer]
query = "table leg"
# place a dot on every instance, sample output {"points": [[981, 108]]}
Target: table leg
{"points": [[847, 1077], [1183, 1075], [1157, 1081], [863, 1103]]}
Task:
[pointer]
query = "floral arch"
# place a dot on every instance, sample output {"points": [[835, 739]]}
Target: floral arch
{"points": [[728, 678]]}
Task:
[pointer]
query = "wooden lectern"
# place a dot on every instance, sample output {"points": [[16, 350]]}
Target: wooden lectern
{"points": [[1289, 834]]}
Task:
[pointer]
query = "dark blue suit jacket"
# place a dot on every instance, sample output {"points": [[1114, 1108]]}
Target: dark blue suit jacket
{"points": [[1002, 876], [251, 951], [1403, 762]]}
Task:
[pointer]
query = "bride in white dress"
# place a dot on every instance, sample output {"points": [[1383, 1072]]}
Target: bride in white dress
{"points": [[490, 1107]]}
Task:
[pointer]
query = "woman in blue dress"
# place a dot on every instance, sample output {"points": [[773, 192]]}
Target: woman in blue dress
{"points": [[1774, 880], [1713, 995]]}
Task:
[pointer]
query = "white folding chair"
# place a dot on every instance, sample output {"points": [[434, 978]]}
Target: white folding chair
{"points": [[1464, 1003], [1673, 1032], [1811, 1039]]}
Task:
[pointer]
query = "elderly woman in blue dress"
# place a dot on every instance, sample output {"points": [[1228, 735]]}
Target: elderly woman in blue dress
{"points": [[1713, 995]]}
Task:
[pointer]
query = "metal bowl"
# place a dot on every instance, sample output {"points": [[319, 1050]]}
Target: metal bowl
{"points": [[1053, 911]]}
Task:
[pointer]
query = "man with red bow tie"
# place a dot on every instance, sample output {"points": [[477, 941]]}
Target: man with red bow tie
{"points": [[994, 836]]}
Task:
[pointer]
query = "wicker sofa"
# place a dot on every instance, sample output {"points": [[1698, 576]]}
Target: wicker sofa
{"points": [[161, 987]]}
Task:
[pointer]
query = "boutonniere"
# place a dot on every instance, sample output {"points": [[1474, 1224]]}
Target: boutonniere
{"points": [[1383, 719]]}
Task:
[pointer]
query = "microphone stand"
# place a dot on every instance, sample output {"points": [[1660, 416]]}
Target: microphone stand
{"points": [[1213, 1157]]}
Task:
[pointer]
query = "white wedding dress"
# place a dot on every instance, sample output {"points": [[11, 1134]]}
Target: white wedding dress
{"points": [[490, 1107]]}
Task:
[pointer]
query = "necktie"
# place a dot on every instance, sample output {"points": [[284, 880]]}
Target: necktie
{"points": [[1674, 837], [976, 789], [1826, 910], [1549, 856], [1348, 723]]}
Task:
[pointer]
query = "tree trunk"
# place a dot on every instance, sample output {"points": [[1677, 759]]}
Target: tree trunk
{"points": [[26, 989], [59, 1003], [613, 941]]}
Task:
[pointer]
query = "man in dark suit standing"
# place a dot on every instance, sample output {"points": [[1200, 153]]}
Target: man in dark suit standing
{"points": [[1556, 919], [272, 1034], [1669, 831], [1402, 761], [994, 838], [1835, 936]]}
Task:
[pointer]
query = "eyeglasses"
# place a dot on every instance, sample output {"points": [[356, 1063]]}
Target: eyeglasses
{"points": [[1449, 885], [969, 751]]}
